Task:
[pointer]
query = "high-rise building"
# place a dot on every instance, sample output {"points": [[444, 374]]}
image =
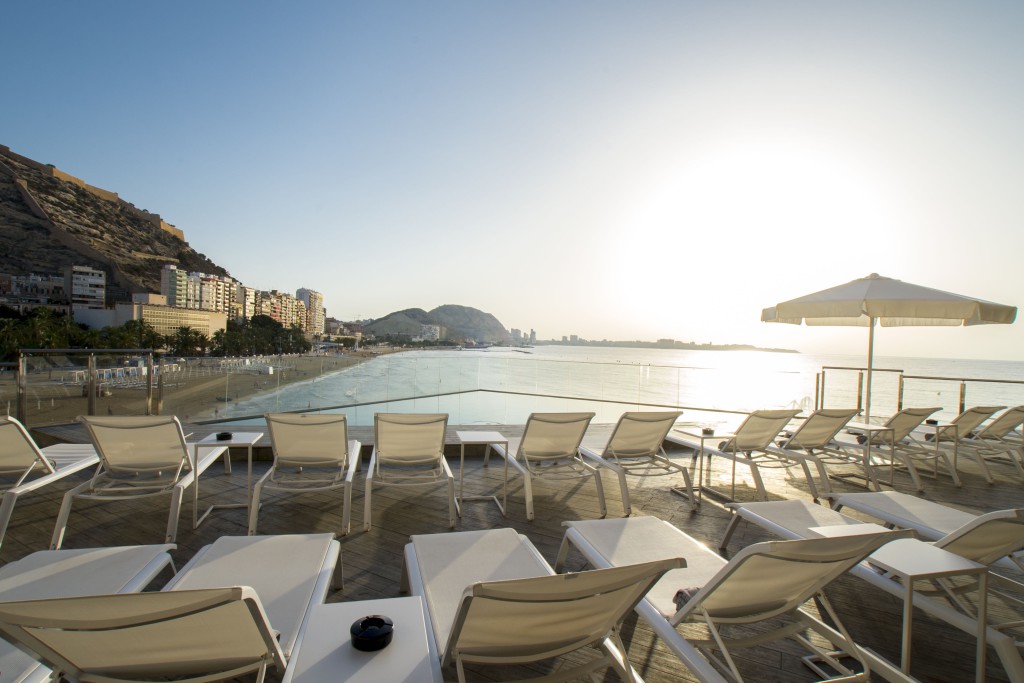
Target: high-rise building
{"points": [[197, 290], [315, 313], [174, 286], [85, 287]]}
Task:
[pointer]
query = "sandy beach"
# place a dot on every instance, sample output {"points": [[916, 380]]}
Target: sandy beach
{"points": [[196, 390]]}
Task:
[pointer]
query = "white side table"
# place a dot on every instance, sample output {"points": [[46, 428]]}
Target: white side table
{"points": [[690, 439], [247, 439], [488, 439], [912, 560], [324, 652]]}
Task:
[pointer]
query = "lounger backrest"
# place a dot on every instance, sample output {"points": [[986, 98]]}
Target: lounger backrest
{"points": [[549, 436], [967, 421], [408, 438], [19, 454], [1004, 424], [548, 616], [760, 429], [987, 538], [820, 428], [904, 422], [142, 444], [640, 433], [774, 577], [200, 635], [308, 440]]}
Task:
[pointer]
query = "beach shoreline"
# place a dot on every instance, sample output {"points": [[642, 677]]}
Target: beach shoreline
{"points": [[196, 390]]}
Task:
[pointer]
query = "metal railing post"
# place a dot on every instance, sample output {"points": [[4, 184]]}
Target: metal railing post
{"points": [[149, 384], [899, 393], [21, 398], [963, 396], [860, 390], [819, 398], [90, 386]]}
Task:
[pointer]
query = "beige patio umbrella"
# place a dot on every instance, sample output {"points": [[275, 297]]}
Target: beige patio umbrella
{"points": [[894, 303]]}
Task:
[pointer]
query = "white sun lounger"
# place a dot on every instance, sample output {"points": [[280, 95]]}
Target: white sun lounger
{"points": [[140, 456], [69, 573], [636, 448], [243, 603], [196, 636], [930, 520], [290, 573], [997, 441], [764, 581], [797, 519], [751, 439], [27, 468], [492, 598]]}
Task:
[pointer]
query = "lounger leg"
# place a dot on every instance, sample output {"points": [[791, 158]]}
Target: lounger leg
{"points": [[346, 510], [62, 517], [254, 506], [733, 523], [602, 504], [627, 507], [762, 492], [172, 518], [563, 553], [528, 489], [912, 471], [810, 480], [980, 459], [951, 467], [6, 509], [451, 503], [367, 520]]}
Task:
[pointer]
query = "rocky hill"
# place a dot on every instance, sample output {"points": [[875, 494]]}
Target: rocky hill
{"points": [[49, 220], [458, 323]]}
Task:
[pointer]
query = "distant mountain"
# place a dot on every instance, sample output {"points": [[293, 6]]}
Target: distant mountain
{"points": [[459, 324], [50, 219]]}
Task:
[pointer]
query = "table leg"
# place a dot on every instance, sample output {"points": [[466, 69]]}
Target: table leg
{"points": [[908, 616], [504, 486], [462, 474], [982, 626]]}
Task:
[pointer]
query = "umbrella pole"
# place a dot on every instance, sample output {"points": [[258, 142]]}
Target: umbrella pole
{"points": [[871, 362]]}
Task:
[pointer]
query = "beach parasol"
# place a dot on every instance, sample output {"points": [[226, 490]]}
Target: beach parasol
{"points": [[892, 302]]}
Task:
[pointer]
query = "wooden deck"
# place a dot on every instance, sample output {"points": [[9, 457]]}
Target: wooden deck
{"points": [[372, 562]]}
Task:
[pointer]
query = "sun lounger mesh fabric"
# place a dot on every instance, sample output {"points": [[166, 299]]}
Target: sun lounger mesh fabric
{"points": [[551, 613], [131, 635], [308, 440], [138, 444]]}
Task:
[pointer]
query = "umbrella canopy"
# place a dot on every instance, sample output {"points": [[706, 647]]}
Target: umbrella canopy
{"points": [[891, 302]]}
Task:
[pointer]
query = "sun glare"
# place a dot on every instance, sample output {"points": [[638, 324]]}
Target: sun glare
{"points": [[725, 221]]}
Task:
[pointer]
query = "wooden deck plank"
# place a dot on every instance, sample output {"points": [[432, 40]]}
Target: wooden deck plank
{"points": [[372, 562]]}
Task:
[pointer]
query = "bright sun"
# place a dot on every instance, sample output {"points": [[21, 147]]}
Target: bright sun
{"points": [[728, 220]]}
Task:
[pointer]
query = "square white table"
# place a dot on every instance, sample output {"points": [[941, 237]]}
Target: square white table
{"points": [[324, 652], [700, 488], [487, 439], [912, 560], [247, 439], [869, 432]]}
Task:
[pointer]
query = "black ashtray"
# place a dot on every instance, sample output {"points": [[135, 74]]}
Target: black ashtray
{"points": [[931, 422], [371, 633], [707, 431], [224, 436]]}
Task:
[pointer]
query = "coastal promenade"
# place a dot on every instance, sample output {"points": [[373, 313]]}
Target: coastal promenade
{"points": [[372, 561]]}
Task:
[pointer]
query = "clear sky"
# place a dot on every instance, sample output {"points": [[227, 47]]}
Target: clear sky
{"points": [[620, 170]]}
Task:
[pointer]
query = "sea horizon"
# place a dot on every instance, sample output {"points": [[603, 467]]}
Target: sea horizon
{"points": [[503, 385]]}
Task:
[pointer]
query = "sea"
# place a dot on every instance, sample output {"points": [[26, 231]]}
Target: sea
{"points": [[500, 385]]}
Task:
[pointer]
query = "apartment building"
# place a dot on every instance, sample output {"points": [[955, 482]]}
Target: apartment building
{"points": [[316, 316], [85, 287]]}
